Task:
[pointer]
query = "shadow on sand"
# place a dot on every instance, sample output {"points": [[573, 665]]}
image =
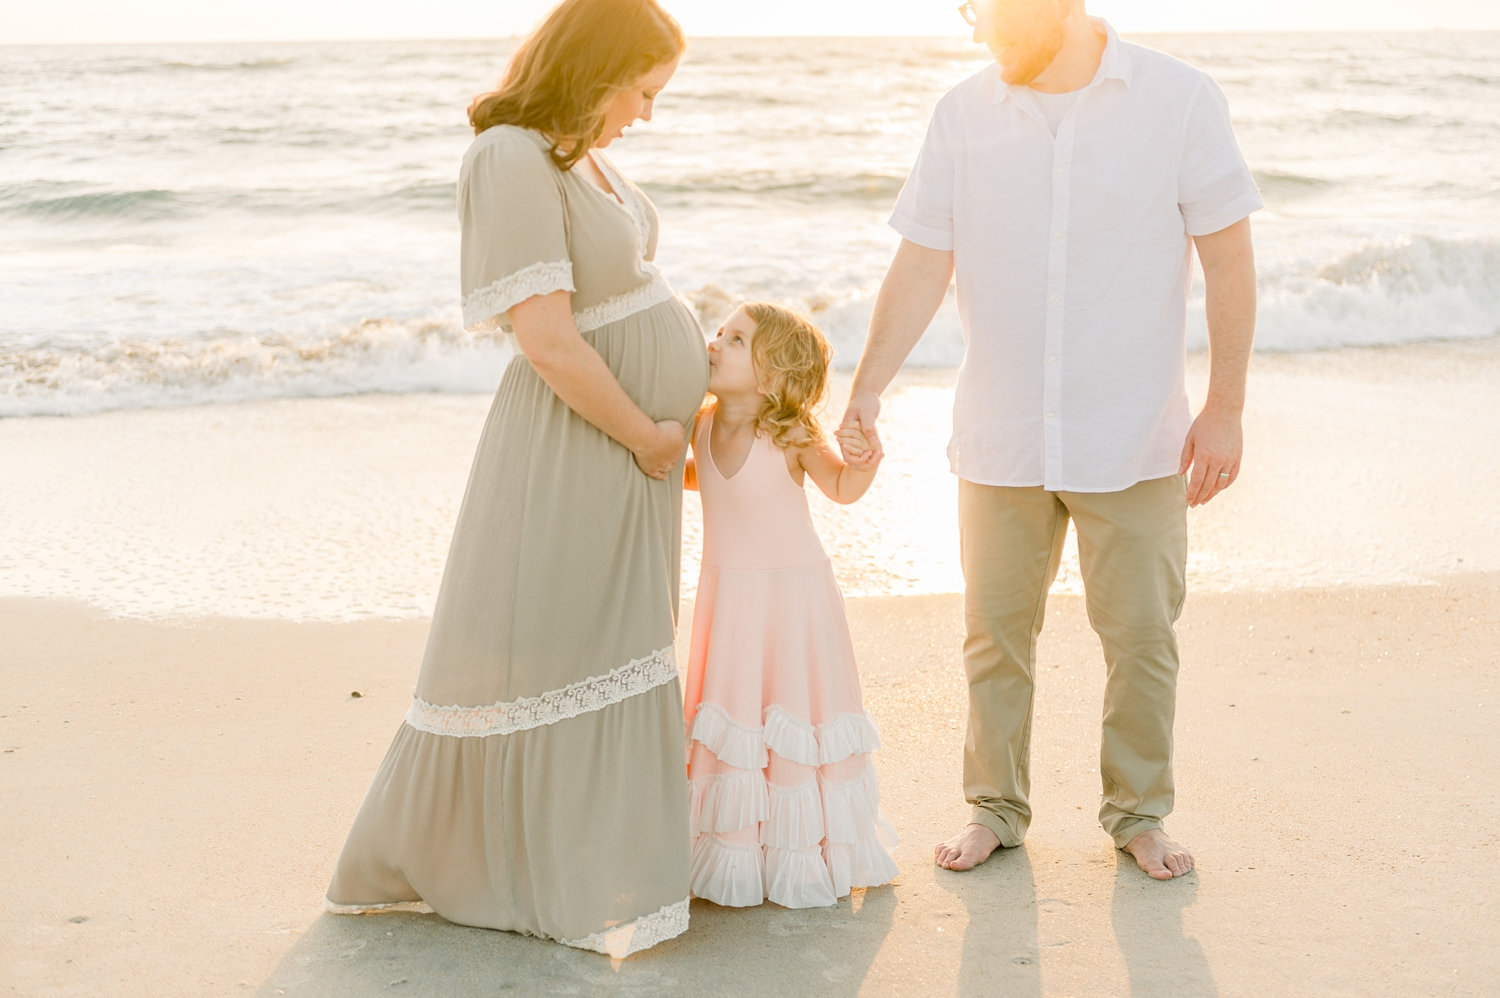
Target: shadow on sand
{"points": [[1147, 919], [765, 950], [1000, 949]]}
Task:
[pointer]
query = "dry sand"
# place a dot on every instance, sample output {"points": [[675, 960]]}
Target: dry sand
{"points": [[175, 793]]}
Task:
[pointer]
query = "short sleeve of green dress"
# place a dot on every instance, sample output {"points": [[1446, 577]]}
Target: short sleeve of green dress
{"points": [[515, 226], [538, 783]]}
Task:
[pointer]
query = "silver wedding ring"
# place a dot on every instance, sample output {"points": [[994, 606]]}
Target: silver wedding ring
{"points": [[1223, 474]]}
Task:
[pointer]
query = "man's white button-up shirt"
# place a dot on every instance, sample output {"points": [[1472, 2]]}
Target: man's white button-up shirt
{"points": [[1073, 263]]}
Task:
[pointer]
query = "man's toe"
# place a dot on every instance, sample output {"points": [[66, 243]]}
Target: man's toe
{"points": [[1153, 867]]}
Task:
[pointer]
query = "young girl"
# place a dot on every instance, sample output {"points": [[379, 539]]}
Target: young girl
{"points": [[784, 799]]}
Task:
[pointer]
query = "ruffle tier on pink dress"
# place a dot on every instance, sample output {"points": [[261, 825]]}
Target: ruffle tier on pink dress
{"points": [[785, 803]]}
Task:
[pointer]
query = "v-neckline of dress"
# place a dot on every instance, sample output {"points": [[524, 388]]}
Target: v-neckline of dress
{"points": [[709, 440], [610, 192], [617, 194]]}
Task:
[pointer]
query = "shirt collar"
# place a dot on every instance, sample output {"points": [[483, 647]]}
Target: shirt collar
{"points": [[1114, 64]]}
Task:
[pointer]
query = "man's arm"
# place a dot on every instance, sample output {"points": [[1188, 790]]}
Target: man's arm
{"points": [[1215, 443], [908, 299]]}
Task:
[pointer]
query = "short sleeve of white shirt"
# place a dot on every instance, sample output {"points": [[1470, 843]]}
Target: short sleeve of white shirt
{"points": [[1215, 188], [924, 209]]}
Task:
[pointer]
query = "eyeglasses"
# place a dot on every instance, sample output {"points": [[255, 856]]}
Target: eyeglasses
{"points": [[968, 13]]}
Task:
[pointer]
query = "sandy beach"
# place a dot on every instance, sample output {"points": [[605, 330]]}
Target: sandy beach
{"points": [[177, 785]]}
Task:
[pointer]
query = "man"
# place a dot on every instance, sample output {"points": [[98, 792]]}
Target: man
{"points": [[1065, 186]]}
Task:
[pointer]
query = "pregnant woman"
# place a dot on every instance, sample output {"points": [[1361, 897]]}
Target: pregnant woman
{"points": [[538, 782]]}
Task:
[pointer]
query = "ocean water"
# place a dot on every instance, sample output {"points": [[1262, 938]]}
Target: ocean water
{"points": [[194, 224]]}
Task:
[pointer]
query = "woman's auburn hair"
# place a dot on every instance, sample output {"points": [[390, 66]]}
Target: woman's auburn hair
{"points": [[790, 356], [562, 78]]}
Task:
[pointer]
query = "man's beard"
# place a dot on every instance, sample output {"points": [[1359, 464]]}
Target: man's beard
{"points": [[1027, 57]]}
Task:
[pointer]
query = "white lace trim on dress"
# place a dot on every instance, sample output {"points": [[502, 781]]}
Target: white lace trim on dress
{"points": [[582, 697], [486, 307], [654, 292], [643, 933]]}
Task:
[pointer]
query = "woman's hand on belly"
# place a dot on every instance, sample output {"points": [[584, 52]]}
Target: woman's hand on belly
{"points": [[657, 457], [577, 374]]}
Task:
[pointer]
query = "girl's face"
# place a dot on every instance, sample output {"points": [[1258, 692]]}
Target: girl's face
{"points": [[730, 369], [633, 103]]}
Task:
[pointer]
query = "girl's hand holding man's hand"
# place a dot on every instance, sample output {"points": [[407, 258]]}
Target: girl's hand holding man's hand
{"points": [[859, 450]]}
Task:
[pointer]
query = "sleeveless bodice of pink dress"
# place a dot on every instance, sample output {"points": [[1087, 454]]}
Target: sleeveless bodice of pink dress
{"points": [[784, 795]]}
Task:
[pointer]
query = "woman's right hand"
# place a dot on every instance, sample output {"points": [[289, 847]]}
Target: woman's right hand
{"points": [[657, 458]]}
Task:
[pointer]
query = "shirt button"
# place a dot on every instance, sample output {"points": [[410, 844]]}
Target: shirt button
{"points": [[1051, 415], [1055, 299], [1056, 236], [1051, 361]]}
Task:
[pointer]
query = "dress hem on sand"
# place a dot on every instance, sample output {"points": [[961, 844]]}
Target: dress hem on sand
{"points": [[813, 842], [589, 696], [618, 942]]}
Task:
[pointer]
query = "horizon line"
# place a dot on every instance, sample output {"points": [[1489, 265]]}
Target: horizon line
{"points": [[1444, 29]]}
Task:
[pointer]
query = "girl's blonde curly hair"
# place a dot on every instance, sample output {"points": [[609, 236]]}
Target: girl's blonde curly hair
{"points": [[791, 358]]}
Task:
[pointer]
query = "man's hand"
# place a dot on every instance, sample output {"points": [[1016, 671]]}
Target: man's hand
{"points": [[859, 449], [1213, 450], [857, 437], [1215, 443]]}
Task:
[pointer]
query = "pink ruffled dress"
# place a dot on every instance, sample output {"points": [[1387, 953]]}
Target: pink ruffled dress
{"points": [[784, 796]]}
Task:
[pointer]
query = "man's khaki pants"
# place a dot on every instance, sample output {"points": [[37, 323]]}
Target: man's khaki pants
{"points": [[1132, 550]]}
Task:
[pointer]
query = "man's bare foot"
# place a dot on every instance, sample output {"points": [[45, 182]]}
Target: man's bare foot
{"points": [[967, 849], [1158, 855]]}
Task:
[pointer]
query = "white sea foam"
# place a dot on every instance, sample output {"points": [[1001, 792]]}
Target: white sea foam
{"points": [[1414, 290], [376, 356], [1423, 288]]}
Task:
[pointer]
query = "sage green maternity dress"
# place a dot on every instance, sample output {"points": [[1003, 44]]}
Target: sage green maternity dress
{"points": [[538, 783]]}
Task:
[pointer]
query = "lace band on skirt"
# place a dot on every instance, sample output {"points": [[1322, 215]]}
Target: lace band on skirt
{"points": [[595, 693]]}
